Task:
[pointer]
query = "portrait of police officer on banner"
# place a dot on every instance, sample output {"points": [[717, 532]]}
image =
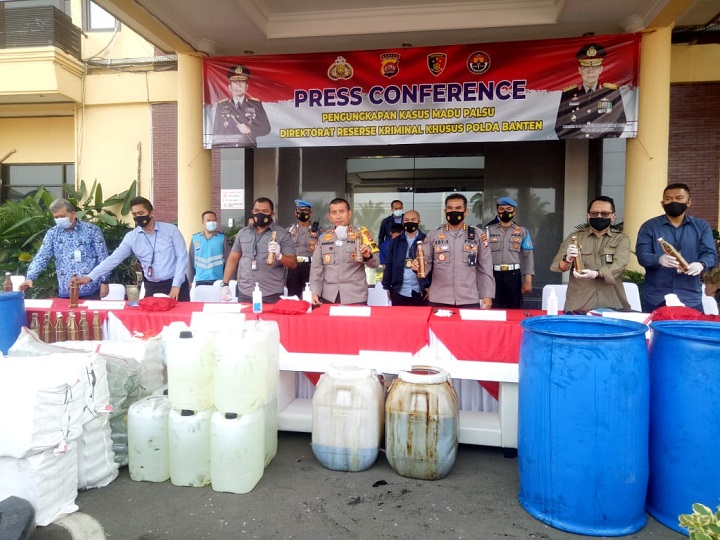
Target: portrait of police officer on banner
{"points": [[241, 119], [590, 109]]}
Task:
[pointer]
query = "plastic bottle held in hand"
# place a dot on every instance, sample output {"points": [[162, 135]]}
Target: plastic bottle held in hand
{"points": [[578, 260], [668, 248], [72, 327], [552, 305], [74, 291], [84, 327], [307, 296], [421, 260], [8, 283], [97, 326], [60, 332], [47, 331], [271, 256], [35, 324], [257, 299]]}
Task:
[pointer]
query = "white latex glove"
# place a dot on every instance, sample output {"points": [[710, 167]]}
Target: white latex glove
{"points": [[225, 294], [694, 269], [274, 247], [571, 253], [668, 261], [586, 274]]}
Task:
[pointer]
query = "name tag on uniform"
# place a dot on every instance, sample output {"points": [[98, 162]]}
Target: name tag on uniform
{"points": [[408, 263], [253, 265], [77, 256], [608, 258]]}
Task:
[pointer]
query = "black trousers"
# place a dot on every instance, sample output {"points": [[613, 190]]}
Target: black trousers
{"points": [[416, 299], [297, 278], [508, 290], [163, 287]]}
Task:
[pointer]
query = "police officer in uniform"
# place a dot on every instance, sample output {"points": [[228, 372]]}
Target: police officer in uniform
{"points": [[337, 276], [512, 257], [305, 237], [460, 260], [240, 120], [604, 252], [249, 256], [590, 110]]}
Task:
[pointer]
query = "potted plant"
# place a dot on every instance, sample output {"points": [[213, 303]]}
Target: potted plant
{"points": [[702, 524]]}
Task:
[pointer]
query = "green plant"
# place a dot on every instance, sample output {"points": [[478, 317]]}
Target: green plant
{"points": [[702, 524], [23, 225]]}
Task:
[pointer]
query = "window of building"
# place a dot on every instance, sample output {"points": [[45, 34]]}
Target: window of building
{"points": [[96, 19], [19, 181]]}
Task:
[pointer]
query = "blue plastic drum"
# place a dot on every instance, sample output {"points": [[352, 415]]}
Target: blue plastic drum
{"points": [[12, 318], [684, 419], [583, 423]]}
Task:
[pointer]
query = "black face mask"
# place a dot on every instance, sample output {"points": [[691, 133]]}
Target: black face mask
{"points": [[302, 216], [506, 217], [261, 220], [674, 209], [410, 227], [142, 221], [599, 223], [454, 218]]}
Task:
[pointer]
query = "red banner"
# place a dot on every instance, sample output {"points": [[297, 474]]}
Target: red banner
{"points": [[529, 90]]}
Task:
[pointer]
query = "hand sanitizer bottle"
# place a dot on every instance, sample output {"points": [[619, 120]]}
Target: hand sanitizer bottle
{"points": [[552, 305], [307, 296], [257, 299]]}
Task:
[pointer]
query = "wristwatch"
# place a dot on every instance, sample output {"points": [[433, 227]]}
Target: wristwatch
{"points": [[223, 284]]}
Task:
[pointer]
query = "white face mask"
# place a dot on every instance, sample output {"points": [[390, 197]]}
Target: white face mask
{"points": [[63, 222], [397, 213], [211, 225], [341, 232]]}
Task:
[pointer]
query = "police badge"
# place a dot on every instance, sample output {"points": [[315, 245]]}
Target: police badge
{"points": [[436, 63]]}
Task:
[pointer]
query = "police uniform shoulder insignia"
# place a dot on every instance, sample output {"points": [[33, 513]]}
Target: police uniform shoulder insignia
{"points": [[224, 100], [484, 239], [610, 86], [569, 88], [254, 99]]}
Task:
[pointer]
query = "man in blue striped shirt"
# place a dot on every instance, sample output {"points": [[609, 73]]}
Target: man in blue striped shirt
{"points": [[160, 249]]}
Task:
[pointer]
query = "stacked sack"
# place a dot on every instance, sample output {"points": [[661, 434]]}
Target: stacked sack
{"points": [[218, 424], [135, 369], [49, 411]]}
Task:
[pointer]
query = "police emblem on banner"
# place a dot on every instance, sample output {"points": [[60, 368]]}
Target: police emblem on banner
{"points": [[436, 63], [340, 69], [478, 62], [389, 64]]}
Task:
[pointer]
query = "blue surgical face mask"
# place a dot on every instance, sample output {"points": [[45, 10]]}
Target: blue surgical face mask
{"points": [[211, 225], [63, 222], [397, 213]]}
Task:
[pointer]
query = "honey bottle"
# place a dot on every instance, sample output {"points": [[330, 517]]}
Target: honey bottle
{"points": [[72, 327], [47, 329], [60, 330], [84, 327]]}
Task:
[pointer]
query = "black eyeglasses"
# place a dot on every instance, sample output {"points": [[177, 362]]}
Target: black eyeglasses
{"points": [[600, 214]]}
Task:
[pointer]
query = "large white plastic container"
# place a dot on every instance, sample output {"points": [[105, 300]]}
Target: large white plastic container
{"points": [[190, 447], [421, 423], [273, 355], [190, 367], [241, 370], [149, 439], [271, 428], [237, 451], [347, 418]]}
